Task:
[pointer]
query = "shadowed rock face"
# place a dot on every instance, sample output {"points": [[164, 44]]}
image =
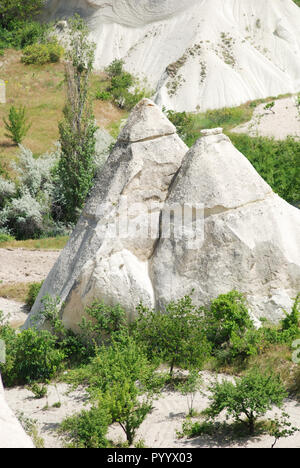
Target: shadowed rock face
{"points": [[197, 54], [162, 220]]}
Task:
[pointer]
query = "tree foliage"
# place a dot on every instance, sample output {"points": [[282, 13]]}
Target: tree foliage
{"points": [[14, 10], [77, 130], [250, 397]]}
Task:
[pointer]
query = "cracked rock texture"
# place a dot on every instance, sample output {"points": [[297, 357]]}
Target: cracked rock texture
{"points": [[195, 54], [162, 220]]}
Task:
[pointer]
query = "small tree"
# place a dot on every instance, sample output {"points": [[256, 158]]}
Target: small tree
{"points": [[126, 408], [189, 389], [77, 131], [251, 396], [270, 106], [281, 427], [16, 125], [175, 336]]}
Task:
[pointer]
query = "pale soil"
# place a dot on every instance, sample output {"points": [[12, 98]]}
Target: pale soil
{"points": [[22, 266], [157, 431], [284, 122]]}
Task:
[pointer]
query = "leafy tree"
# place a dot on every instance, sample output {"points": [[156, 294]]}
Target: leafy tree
{"points": [[175, 336], [16, 125], [227, 315], [77, 130], [251, 396], [15, 10], [126, 408]]}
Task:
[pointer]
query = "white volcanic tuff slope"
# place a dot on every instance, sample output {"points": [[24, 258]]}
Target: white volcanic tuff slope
{"points": [[97, 262], [198, 53], [251, 236]]}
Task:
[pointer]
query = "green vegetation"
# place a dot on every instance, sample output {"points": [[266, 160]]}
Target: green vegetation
{"points": [[122, 88], [17, 126], [76, 167], [117, 362], [33, 291], [175, 336], [39, 53], [251, 396]]}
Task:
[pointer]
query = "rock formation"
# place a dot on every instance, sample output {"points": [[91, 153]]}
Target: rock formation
{"points": [[108, 253], [250, 238], [162, 220], [197, 53], [12, 434]]}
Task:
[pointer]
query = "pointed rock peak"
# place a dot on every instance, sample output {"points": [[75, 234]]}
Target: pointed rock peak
{"points": [[146, 122], [216, 174]]}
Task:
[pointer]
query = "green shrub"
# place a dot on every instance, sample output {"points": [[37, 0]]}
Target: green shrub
{"points": [[17, 126], [102, 322], [33, 292], [176, 335], [41, 54], [124, 90], [6, 237], [12, 11], [226, 316], [103, 95], [30, 356], [278, 163], [87, 429]]}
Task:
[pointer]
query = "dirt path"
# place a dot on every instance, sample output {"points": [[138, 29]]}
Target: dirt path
{"points": [[284, 122]]}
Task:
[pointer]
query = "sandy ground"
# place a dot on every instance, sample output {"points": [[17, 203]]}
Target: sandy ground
{"points": [[284, 122], [157, 431], [21, 266]]}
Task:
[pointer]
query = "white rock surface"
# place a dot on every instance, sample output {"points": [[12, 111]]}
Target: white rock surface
{"points": [[250, 238], [162, 221], [12, 434], [197, 54], [106, 257]]}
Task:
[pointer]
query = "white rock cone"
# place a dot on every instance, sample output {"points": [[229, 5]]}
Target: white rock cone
{"points": [[249, 239], [107, 255]]}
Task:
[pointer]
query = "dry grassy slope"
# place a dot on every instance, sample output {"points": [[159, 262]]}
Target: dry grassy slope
{"points": [[41, 90]]}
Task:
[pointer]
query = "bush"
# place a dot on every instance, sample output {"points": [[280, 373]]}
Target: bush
{"points": [[176, 336], [251, 396], [226, 316], [30, 356], [87, 429], [278, 163], [40, 54], [106, 322], [119, 88], [33, 292]]}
